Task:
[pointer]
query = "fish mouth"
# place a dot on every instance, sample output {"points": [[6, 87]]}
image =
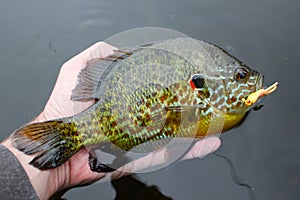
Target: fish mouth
{"points": [[259, 85], [260, 82], [256, 97]]}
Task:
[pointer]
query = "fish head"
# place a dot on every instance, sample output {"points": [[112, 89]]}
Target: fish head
{"points": [[226, 89]]}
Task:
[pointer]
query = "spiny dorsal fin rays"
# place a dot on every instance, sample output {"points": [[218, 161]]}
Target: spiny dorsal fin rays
{"points": [[90, 77]]}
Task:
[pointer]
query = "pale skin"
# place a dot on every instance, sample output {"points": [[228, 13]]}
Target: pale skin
{"points": [[76, 171]]}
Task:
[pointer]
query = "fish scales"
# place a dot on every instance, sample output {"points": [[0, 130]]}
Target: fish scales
{"points": [[173, 88]]}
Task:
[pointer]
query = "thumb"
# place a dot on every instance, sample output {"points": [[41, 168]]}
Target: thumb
{"points": [[203, 147]]}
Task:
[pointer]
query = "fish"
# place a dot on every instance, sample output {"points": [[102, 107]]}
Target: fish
{"points": [[175, 88]]}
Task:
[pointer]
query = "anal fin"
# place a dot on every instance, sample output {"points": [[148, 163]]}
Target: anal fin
{"points": [[99, 164]]}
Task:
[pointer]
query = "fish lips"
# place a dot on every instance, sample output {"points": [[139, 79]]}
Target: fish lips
{"points": [[259, 85], [260, 82]]}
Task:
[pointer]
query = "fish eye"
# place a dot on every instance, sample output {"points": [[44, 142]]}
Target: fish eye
{"points": [[197, 81], [241, 75]]}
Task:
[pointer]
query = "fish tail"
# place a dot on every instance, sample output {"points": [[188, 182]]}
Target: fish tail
{"points": [[54, 142]]}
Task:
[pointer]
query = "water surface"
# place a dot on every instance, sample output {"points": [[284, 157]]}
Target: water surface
{"points": [[38, 37]]}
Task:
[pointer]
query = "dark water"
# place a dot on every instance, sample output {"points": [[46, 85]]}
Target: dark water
{"points": [[36, 38]]}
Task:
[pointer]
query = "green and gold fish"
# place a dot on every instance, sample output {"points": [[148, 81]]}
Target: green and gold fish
{"points": [[173, 88]]}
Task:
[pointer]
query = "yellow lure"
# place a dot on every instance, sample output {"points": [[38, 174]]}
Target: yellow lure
{"points": [[253, 97]]}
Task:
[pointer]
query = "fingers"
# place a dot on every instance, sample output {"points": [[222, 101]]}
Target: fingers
{"points": [[203, 147], [59, 104], [97, 50], [161, 158]]}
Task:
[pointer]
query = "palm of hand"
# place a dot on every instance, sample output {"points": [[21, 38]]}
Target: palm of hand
{"points": [[76, 170]]}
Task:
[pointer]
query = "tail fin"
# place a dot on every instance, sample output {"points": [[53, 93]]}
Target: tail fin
{"points": [[49, 139]]}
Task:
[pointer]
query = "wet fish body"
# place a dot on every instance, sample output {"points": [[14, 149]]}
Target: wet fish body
{"points": [[173, 88]]}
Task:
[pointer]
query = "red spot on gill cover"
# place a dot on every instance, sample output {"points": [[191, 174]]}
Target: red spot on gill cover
{"points": [[192, 85]]}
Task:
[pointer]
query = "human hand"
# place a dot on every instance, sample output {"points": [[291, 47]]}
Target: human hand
{"points": [[76, 170]]}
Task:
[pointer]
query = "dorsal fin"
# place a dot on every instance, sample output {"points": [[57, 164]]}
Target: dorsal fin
{"points": [[90, 77]]}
